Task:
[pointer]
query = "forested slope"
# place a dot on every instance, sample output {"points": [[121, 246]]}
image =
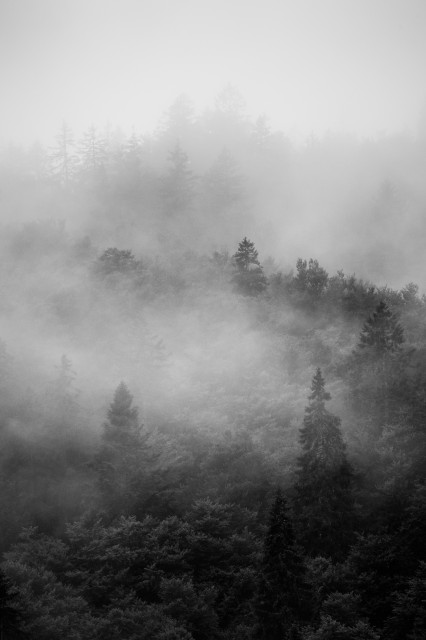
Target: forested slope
{"points": [[202, 437]]}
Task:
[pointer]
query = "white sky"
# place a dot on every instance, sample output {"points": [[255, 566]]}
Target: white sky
{"points": [[310, 65]]}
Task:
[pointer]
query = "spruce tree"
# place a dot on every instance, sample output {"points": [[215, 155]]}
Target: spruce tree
{"points": [[62, 158], [381, 333], [376, 371], [248, 277], [282, 600], [323, 492], [120, 460], [178, 190]]}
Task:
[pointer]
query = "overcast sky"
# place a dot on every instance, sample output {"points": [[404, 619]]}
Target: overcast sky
{"points": [[310, 65]]}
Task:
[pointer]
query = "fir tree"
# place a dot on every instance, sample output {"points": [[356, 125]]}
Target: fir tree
{"points": [[282, 601], [92, 156], [376, 371], [178, 184], [323, 500], [62, 158], [381, 333], [248, 277], [120, 460]]}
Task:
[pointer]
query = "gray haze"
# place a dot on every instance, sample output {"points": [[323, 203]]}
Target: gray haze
{"points": [[311, 66], [335, 172]]}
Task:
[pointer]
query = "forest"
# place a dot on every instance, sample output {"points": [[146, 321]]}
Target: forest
{"points": [[213, 384]]}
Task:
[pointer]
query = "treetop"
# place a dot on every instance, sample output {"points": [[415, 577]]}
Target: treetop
{"points": [[318, 392]]}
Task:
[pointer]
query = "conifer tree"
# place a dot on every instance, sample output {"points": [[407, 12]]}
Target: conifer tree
{"points": [[323, 491], [62, 158], [120, 460], [248, 277], [377, 368], [92, 156], [179, 183], [282, 601], [381, 333]]}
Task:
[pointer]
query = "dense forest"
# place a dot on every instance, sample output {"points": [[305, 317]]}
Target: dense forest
{"points": [[209, 429]]}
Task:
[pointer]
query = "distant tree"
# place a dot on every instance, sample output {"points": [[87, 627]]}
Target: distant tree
{"points": [[381, 334], [261, 133], [311, 278], [248, 277], [377, 368], [116, 261], [222, 184], [283, 597], [323, 501], [62, 157], [120, 462], [178, 184], [230, 102], [62, 412], [92, 156], [179, 118]]}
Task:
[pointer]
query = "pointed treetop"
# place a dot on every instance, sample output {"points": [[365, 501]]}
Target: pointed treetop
{"points": [[121, 409], [246, 255], [319, 394], [382, 331]]}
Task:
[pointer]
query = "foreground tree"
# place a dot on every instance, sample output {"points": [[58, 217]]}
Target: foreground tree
{"points": [[248, 277], [11, 618], [323, 500], [282, 601]]}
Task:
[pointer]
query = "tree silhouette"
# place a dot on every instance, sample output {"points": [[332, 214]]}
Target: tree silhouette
{"points": [[248, 277], [120, 462], [323, 500], [283, 595]]}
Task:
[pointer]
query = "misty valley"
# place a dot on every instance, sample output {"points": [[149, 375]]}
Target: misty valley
{"points": [[213, 384]]}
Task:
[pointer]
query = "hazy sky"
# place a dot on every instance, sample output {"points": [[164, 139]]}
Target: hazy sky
{"points": [[310, 65]]}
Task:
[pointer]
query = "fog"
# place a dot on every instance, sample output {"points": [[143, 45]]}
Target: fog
{"points": [[312, 67], [140, 142]]}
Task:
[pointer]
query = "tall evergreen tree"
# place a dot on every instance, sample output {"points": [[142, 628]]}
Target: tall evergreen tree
{"points": [[248, 276], [323, 492], [382, 332], [92, 156], [282, 601], [62, 158], [120, 460], [178, 184], [377, 368]]}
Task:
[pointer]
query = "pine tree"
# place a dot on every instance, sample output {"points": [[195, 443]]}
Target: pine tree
{"points": [[62, 158], [248, 276], [222, 184], [178, 184], [376, 371], [282, 600], [120, 460], [92, 156], [323, 500], [381, 333]]}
